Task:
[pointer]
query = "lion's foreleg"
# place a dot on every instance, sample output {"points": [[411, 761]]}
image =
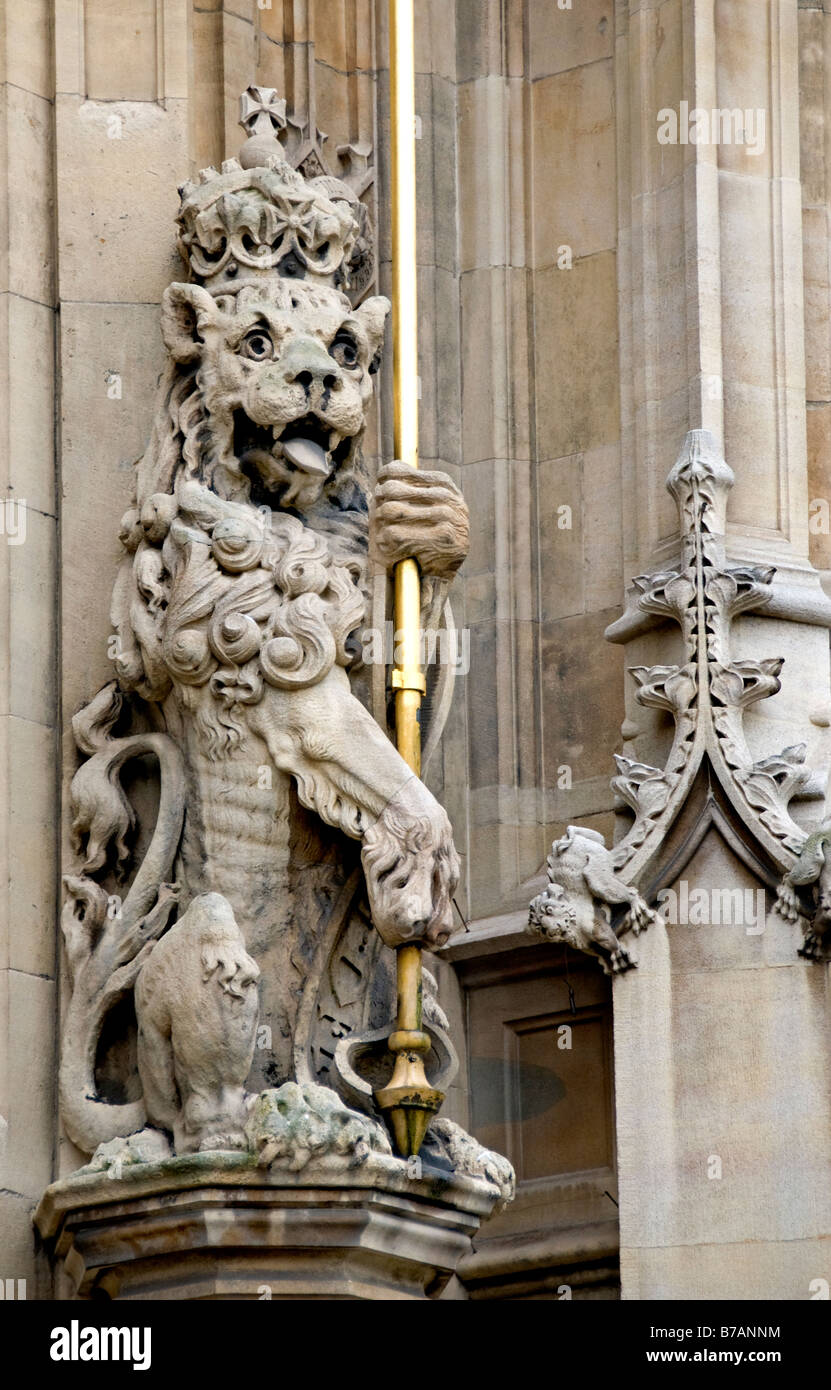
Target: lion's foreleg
{"points": [[344, 765], [347, 770]]}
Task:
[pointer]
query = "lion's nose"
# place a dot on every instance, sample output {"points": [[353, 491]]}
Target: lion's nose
{"points": [[305, 362], [328, 380], [414, 913]]}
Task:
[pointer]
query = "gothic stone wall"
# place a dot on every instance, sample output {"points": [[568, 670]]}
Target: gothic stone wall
{"points": [[559, 341]]}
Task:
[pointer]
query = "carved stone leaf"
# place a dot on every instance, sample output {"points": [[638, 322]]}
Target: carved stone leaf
{"points": [[771, 781], [769, 786], [742, 683], [666, 687], [728, 727], [646, 789], [700, 481], [740, 588], [668, 593]]}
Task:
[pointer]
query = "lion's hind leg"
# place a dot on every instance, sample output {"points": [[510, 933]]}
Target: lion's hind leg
{"points": [[155, 1065]]}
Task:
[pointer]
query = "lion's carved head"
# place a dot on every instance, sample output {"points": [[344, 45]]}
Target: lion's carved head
{"points": [[283, 375]]}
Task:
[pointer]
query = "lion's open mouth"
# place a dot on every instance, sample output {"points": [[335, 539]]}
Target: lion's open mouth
{"points": [[316, 447], [276, 459]]}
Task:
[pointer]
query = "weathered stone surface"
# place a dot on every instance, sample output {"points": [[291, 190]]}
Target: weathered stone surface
{"points": [[31, 1016], [291, 1127], [28, 331], [28, 57], [32, 580], [567, 39], [764, 1186], [26, 257], [121, 51], [819, 481], [582, 739], [785, 1271], [568, 421], [32, 890], [577, 162], [124, 240], [214, 1226]]}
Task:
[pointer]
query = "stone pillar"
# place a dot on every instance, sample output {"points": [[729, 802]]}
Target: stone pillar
{"points": [[815, 171], [501, 731], [711, 301], [28, 613], [712, 322], [121, 146], [721, 1032]]}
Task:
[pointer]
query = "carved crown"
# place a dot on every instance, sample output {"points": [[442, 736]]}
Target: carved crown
{"points": [[258, 217]]}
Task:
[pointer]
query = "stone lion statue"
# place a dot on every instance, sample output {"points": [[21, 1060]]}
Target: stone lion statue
{"points": [[237, 609]]}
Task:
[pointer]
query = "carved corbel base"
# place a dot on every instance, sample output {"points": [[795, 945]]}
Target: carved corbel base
{"points": [[214, 1226]]}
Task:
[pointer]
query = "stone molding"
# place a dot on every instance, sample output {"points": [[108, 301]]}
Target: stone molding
{"points": [[214, 1226]]}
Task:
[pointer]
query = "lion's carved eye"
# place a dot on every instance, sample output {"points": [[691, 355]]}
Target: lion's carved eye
{"points": [[345, 350], [257, 345]]}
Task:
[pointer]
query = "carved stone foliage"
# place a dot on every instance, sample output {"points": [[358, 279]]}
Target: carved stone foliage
{"points": [[465, 1155], [290, 1126], [306, 1130], [707, 694], [238, 608]]}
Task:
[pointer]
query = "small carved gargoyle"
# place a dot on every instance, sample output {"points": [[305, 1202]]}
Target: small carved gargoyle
{"points": [[804, 895], [576, 905]]}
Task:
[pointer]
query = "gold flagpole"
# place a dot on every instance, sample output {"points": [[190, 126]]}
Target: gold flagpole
{"points": [[409, 1101]]}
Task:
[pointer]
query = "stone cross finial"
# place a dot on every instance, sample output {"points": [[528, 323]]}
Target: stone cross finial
{"points": [[261, 111]]}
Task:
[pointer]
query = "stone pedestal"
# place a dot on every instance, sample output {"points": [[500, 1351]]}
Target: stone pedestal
{"points": [[216, 1226]]}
